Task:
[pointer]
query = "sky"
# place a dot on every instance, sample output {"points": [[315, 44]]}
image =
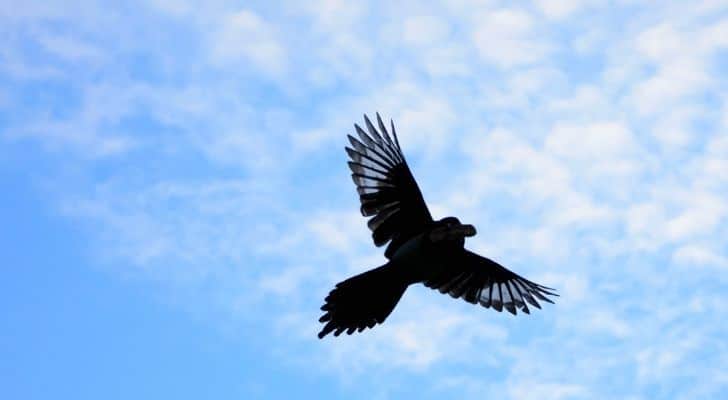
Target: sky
{"points": [[176, 202]]}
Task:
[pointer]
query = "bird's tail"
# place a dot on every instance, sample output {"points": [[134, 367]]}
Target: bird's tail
{"points": [[362, 301]]}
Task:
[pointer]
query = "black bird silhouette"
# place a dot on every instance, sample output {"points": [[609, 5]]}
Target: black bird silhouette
{"points": [[420, 249]]}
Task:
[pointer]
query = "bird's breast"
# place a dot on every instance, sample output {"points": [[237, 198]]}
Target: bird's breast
{"points": [[419, 257], [412, 250]]}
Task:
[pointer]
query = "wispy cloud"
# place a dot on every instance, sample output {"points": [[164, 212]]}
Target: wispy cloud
{"points": [[202, 143]]}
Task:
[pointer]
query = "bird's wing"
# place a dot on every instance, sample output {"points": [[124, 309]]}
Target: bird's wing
{"points": [[477, 279], [387, 190]]}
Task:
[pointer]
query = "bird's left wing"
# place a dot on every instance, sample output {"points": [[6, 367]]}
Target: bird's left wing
{"points": [[477, 279], [387, 190]]}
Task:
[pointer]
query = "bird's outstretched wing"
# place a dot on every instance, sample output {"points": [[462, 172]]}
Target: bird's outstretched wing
{"points": [[387, 190], [477, 279]]}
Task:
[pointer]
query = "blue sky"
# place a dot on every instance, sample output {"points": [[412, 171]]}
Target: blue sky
{"points": [[176, 201]]}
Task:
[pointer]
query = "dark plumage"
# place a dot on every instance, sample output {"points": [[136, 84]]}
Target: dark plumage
{"points": [[420, 249]]}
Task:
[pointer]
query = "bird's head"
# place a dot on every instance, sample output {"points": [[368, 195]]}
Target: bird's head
{"points": [[450, 229]]}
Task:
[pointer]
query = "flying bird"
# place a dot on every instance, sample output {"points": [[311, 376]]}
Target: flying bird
{"points": [[419, 250]]}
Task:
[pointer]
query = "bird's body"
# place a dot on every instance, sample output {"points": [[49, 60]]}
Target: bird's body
{"points": [[420, 250], [422, 259]]}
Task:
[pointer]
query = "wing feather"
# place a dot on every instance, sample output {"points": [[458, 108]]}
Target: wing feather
{"points": [[477, 279], [387, 190]]}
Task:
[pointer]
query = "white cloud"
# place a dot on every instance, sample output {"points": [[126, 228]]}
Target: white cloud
{"points": [[541, 176], [681, 54], [579, 210], [692, 255], [343, 57], [424, 30], [644, 222], [288, 281], [448, 60], [607, 323], [591, 41], [546, 390], [559, 9], [507, 38], [336, 231], [244, 37], [594, 141], [660, 42], [177, 7], [581, 153], [177, 222], [702, 214], [587, 101], [333, 15], [672, 82], [70, 48]]}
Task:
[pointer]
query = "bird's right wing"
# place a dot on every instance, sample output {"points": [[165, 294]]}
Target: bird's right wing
{"points": [[477, 279], [387, 190]]}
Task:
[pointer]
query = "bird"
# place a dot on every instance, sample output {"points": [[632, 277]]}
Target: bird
{"points": [[419, 249]]}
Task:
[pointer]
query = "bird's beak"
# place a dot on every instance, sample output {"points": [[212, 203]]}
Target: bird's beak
{"points": [[452, 232], [464, 230]]}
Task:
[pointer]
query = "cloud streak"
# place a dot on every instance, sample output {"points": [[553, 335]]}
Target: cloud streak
{"points": [[586, 142]]}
